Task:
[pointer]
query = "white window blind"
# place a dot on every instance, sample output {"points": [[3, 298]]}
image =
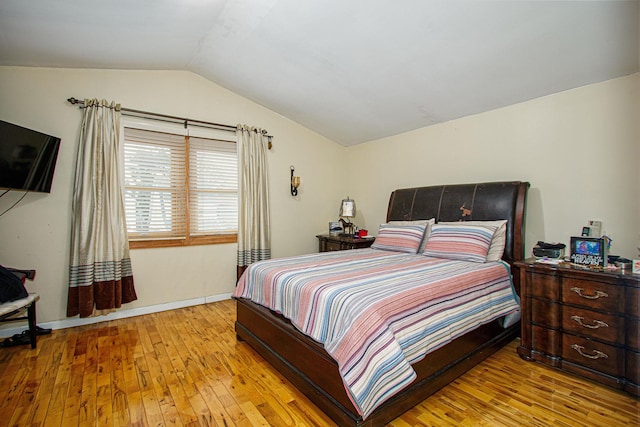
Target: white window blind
{"points": [[213, 186], [160, 167]]}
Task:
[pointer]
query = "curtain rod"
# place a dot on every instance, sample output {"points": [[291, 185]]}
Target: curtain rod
{"points": [[172, 119]]}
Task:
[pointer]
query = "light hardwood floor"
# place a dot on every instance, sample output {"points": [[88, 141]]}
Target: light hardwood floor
{"points": [[185, 367]]}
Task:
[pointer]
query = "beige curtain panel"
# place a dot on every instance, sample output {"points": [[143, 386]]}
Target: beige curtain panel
{"points": [[254, 235], [100, 275]]}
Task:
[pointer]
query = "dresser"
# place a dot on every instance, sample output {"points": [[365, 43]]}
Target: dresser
{"points": [[328, 242], [582, 321]]}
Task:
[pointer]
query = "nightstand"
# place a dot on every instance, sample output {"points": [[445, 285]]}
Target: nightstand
{"points": [[582, 321], [328, 243]]}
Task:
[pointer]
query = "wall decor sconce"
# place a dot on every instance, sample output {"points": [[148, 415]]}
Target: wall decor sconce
{"points": [[295, 182]]}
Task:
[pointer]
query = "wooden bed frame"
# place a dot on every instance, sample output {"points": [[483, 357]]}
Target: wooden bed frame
{"points": [[307, 365]]}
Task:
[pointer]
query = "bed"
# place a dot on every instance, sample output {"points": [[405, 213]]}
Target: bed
{"points": [[309, 366]]}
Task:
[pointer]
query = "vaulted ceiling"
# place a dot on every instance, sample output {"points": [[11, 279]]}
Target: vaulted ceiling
{"points": [[352, 70]]}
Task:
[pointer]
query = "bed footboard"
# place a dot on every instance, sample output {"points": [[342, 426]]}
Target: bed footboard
{"points": [[312, 371]]}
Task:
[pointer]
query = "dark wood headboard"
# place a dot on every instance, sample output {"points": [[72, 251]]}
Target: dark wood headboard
{"points": [[467, 202]]}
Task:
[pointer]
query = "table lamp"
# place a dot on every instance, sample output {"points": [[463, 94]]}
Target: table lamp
{"points": [[347, 210]]}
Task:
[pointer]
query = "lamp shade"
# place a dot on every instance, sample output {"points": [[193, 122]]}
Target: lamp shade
{"points": [[348, 208]]}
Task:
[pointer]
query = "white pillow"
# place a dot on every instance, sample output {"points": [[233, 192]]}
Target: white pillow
{"points": [[499, 240]]}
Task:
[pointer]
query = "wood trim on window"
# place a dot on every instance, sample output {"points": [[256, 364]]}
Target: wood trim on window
{"points": [[192, 241]]}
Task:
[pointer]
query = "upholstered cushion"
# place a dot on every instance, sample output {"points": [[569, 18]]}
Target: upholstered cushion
{"points": [[399, 238], [460, 241], [11, 306], [496, 248]]}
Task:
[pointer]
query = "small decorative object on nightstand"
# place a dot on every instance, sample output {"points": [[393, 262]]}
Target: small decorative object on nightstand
{"points": [[582, 320], [328, 243]]}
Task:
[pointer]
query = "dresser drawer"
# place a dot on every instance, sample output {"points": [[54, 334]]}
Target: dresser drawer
{"points": [[632, 328], [632, 299], [546, 341], [606, 327], [546, 313], [592, 354], [591, 294], [333, 246], [545, 286], [633, 367]]}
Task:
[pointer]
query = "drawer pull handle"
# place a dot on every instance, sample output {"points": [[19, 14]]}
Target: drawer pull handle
{"points": [[599, 294], [596, 354], [596, 323]]}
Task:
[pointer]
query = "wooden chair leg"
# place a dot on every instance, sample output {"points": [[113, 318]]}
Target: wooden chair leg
{"points": [[31, 317]]}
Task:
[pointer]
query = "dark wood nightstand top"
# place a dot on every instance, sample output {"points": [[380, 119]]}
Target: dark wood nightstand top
{"points": [[328, 242]]}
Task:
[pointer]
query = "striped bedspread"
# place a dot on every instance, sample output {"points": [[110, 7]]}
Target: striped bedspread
{"points": [[377, 312]]}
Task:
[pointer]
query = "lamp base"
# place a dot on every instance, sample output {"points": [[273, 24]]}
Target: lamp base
{"points": [[347, 226]]}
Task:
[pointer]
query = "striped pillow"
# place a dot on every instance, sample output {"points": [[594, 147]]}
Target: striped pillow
{"points": [[428, 223], [399, 238], [460, 241], [499, 240]]}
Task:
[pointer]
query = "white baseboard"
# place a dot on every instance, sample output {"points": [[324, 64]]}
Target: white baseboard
{"points": [[120, 314]]}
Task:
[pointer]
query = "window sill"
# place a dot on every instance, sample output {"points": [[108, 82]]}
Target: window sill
{"points": [[192, 241]]}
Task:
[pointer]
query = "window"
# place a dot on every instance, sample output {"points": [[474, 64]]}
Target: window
{"points": [[180, 188]]}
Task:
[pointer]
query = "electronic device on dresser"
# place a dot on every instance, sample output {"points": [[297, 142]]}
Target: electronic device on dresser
{"points": [[548, 250], [583, 320], [589, 251]]}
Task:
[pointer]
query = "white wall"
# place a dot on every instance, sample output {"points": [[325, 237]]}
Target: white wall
{"points": [[35, 234], [579, 149]]}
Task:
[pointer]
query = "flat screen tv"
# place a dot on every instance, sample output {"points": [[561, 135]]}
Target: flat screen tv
{"points": [[27, 158]]}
